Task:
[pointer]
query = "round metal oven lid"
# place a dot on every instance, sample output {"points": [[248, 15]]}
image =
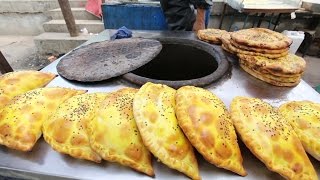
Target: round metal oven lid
{"points": [[103, 60]]}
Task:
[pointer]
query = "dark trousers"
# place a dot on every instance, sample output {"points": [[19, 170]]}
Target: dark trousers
{"points": [[180, 14]]}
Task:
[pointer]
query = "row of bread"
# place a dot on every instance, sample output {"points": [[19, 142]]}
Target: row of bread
{"points": [[262, 53], [127, 125]]}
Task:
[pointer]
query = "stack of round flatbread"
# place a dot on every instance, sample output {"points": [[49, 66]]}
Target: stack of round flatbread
{"points": [[283, 71], [264, 54], [258, 42], [211, 35]]}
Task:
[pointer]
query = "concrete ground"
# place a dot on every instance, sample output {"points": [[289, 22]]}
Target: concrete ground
{"points": [[21, 53]]}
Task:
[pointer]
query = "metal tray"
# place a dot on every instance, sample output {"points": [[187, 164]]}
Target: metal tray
{"points": [[44, 163]]}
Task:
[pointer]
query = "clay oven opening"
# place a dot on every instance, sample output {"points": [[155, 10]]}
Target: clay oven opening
{"points": [[182, 62]]}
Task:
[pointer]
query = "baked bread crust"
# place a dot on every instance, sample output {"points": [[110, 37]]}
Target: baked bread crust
{"points": [[271, 138], [261, 38], [154, 112]]}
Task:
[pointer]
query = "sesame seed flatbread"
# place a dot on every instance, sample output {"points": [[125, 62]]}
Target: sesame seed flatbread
{"points": [[261, 38], [259, 50], [266, 79], [211, 35], [293, 78], [288, 65], [271, 56]]}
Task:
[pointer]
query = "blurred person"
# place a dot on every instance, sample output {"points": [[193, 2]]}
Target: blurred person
{"points": [[181, 14]]}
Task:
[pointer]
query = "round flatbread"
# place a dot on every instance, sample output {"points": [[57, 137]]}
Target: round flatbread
{"points": [[264, 71], [104, 60], [271, 56], [225, 38], [227, 49], [288, 65], [266, 79], [273, 77], [211, 35], [261, 38], [259, 50]]}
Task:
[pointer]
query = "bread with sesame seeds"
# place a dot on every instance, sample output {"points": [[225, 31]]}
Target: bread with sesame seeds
{"points": [[271, 138], [19, 82], [114, 135], [211, 35], [66, 129], [261, 38], [153, 108], [22, 118], [304, 117], [206, 122]]}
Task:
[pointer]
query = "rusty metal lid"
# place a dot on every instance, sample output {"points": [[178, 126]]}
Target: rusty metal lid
{"points": [[104, 60]]}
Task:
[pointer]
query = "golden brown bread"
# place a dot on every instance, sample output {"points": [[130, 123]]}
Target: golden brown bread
{"points": [[153, 109], [288, 78], [261, 38], [285, 66], [206, 122], [22, 118], [271, 138], [19, 82], [114, 134], [251, 53], [304, 117], [259, 50], [267, 79], [66, 129], [211, 35]]}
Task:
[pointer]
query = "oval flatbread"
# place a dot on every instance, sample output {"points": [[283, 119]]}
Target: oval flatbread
{"points": [[206, 122], [261, 38], [271, 138], [153, 109], [285, 66], [211, 35], [21, 120], [66, 129], [114, 134], [259, 50], [269, 80], [16, 83], [304, 117]]}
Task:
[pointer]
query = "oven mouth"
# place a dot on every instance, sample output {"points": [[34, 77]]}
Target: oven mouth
{"points": [[182, 62]]}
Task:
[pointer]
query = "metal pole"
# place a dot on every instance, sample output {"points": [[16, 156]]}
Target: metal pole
{"points": [[222, 15], [68, 17]]}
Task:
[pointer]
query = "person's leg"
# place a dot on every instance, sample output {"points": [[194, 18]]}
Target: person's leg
{"points": [[179, 15]]}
